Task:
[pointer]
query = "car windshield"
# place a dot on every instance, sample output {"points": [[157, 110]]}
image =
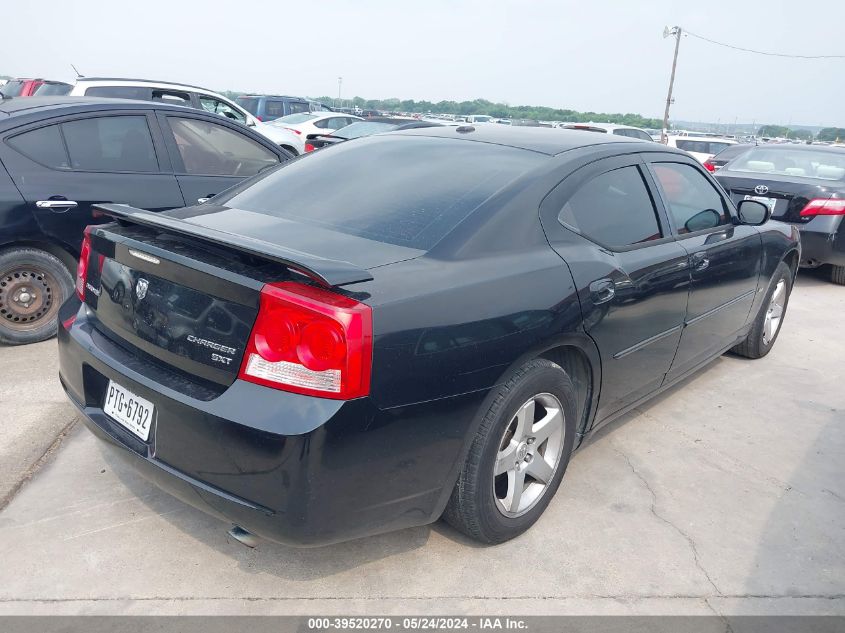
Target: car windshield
{"points": [[364, 128], [426, 186], [293, 119], [250, 104], [824, 165]]}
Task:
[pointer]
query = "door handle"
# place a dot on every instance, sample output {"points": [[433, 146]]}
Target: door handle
{"points": [[602, 291], [64, 205], [700, 261]]}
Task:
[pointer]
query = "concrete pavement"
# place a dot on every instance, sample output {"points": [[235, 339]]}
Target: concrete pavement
{"points": [[725, 495]]}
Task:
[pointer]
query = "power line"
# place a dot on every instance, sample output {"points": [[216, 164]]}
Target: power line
{"points": [[770, 54]]}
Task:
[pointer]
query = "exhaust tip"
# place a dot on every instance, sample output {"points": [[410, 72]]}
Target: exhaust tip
{"points": [[241, 535]]}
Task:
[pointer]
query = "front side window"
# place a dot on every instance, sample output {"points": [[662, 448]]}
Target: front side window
{"points": [[693, 202], [43, 145], [614, 209], [210, 104], [112, 143], [210, 149]]}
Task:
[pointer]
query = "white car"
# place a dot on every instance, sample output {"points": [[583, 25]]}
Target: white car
{"points": [[699, 147], [188, 96], [610, 128], [304, 124]]}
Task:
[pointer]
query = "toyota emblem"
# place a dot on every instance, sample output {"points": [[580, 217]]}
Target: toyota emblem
{"points": [[761, 189]]}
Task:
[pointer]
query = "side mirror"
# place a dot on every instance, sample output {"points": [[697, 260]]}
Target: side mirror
{"points": [[753, 213], [707, 219]]}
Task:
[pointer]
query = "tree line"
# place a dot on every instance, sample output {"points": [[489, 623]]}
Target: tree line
{"points": [[781, 131]]}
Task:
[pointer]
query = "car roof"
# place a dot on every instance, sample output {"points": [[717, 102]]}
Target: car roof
{"points": [[544, 140], [140, 81], [715, 139]]}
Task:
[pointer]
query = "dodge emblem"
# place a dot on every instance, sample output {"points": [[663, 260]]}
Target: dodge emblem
{"points": [[761, 189], [141, 288]]}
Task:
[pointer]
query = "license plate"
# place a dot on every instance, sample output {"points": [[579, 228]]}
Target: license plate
{"points": [[769, 202], [131, 411]]}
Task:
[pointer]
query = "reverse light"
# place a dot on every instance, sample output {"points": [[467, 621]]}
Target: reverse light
{"points": [[311, 341], [824, 206], [82, 267]]}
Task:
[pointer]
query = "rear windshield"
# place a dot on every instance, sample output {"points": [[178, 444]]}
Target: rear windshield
{"points": [[292, 119], [364, 128], [250, 104], [52, 89], [12, 88], [407, 191], [829, 165]]}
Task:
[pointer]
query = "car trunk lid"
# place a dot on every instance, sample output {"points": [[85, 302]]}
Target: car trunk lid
{"points": [[786, 196]]}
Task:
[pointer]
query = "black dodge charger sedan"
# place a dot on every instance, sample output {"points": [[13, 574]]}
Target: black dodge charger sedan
{"points": [[803, 185], [413, 325]]}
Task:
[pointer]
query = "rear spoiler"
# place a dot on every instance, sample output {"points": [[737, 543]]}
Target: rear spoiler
{"points": [[327, 272]]}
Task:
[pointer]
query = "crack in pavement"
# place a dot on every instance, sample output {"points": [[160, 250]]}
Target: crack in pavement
{"points": [[659, 516], [46, 456]]}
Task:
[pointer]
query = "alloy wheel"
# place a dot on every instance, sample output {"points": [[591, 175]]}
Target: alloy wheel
{"points": [[529, 454], [774, 313]]}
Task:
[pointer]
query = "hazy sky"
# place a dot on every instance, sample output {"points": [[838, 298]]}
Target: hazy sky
{"points": [[601, 55]]}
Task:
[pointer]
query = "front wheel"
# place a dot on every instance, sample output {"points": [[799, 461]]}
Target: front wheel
{"points": [[767, 324], [33, 284], [518, 456]]}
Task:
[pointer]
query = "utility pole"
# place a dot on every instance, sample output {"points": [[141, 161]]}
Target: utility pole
{"points": [[676, 31]]}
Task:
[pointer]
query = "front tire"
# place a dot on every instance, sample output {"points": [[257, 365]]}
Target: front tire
{"points": [[33, 284], [518, 456], [769, 320]]}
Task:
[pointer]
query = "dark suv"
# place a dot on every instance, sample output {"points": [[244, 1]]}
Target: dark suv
{"points": [[270, 107], [60, 155]]}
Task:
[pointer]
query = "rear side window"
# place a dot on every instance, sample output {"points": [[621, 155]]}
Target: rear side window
{"points": [[250, 104], [638, 134], [113, 143], [693, 202], [12, 88], [426, 186], [43, 145], [173, 97], [298, 106], [614, 209], [210, 149], [120, 92], [274, 109]]}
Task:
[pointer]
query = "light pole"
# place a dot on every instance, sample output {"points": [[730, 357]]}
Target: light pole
{"points": [[339, 84], [676, 31]]}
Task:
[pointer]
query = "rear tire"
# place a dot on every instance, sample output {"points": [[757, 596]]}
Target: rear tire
{"points": [[765, 330], [526, 444], [33, 284], [837, 275]]}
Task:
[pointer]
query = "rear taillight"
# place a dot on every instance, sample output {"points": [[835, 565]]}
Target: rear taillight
{"points": [[309, 147], [310, 341], [824, 206], [709, 166], [82, 267]]}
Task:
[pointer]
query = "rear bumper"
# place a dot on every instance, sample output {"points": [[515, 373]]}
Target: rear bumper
{"points": [[822, 242], [294, 469]]}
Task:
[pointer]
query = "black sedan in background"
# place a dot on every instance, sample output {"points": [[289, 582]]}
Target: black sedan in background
{"points": [[60, 155], [716, 162], [803, 185], [418, 324], [367, 127]]}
